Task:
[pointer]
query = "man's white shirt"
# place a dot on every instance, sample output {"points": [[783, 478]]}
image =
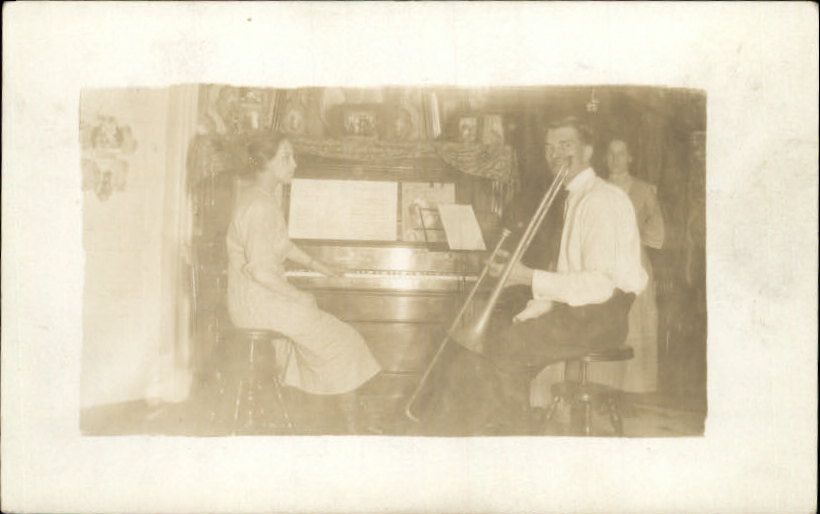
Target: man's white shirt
{"points": [[600, 249]]}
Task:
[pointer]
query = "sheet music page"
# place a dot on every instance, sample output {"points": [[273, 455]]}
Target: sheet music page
{"points": [[359, 210], [420, 199], [461, 227]]}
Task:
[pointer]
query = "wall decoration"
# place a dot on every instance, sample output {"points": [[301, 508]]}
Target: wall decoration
{"points": [[401, 116], [231, 110], [250, 104], [492, 129], [294, 121], [360, 120], [468, 129], [218, 111], [400, 124], [432, 115], [355, 120], [593, 104], [105, 149], [330, 98]]}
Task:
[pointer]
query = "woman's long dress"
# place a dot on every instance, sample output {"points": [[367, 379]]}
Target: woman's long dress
{"points": [[326, 355], [639, 375]]}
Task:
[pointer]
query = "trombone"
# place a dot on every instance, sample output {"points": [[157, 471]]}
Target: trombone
{"points": [[475, 333]]}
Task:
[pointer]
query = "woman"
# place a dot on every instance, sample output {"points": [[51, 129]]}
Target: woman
{"points": [[641, 373], [326, 356]]}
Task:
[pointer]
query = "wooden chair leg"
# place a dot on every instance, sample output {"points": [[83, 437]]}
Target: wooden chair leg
{"points": [[283, 408], [280, 399], [550, 413], [615, 416], [587, 418], [551, 410], [239, 392]]}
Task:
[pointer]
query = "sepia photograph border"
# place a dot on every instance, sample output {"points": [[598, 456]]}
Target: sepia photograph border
{"points": [[757, 63]]}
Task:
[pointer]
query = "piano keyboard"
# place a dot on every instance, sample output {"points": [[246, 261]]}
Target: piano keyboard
{"points": [[383, 280]]}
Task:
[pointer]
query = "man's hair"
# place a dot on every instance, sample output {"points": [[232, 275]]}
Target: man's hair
{"points": [[585, 133]]}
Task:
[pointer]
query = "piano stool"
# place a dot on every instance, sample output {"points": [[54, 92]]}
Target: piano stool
{"points": [[586, 395], [246, 400]]}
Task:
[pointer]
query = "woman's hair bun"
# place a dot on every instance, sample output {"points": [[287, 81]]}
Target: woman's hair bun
{"points": [[259, 150]]}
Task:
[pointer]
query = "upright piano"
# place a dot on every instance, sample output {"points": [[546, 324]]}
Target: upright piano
{"points": [[399, 294]]}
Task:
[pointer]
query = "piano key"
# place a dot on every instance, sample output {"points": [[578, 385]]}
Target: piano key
{"points": [[396, 258], [382, 280]]}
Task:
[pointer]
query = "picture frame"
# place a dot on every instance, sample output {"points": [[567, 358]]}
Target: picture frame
{"points": [[355, 120]]}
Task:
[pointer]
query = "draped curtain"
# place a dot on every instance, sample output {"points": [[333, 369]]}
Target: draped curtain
{"points": [[135, 341], [172, 374]]}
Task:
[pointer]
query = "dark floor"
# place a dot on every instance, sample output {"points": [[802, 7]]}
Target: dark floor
{"points": [[211, 411]]}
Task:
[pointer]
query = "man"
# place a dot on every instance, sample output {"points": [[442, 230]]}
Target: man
{"points": [[581, 304]]}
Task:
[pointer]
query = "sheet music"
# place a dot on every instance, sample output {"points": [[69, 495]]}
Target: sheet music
{"points": [[461, 227], [420, 200], [358, 210]]}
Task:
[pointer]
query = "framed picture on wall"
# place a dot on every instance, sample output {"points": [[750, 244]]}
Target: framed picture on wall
{"points": [[468, 129], [355, 120]]}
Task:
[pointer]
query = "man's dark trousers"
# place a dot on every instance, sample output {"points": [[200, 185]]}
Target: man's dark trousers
{"points": [[490, 391]]}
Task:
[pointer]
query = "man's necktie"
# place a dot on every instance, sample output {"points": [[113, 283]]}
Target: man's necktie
{"points": [[554, 226]]}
